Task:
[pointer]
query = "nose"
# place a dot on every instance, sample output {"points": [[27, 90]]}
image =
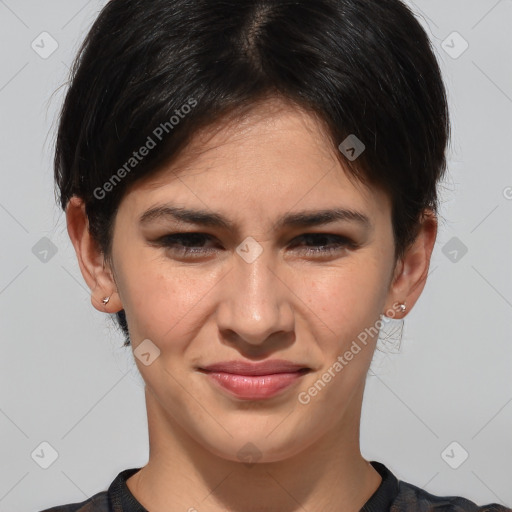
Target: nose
{"points": [[255, 307]]}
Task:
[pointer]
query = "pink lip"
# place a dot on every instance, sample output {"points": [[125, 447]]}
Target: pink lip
{"points": [[263, 368], [253, 381]]}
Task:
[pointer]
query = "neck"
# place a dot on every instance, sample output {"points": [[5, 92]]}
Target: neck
{"points": [[329, 475]]}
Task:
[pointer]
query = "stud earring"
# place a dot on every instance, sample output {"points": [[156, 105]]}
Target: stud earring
{"points": [[105, 300], [403, 307]]}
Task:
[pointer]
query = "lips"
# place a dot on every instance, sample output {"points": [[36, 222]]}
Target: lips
{"points": [[264, 368], [254, 381]]}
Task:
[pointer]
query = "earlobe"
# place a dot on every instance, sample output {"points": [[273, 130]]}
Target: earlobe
{"points": [[90, 258], [107, 303]]}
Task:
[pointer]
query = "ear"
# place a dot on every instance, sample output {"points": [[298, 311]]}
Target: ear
{"points": [[411, 271], [95, 270]]}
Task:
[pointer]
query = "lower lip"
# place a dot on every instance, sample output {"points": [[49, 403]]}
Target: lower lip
{"points": [[255, 387]]}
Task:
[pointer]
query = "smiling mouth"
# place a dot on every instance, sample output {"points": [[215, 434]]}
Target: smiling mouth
{"points": [[254, 387]]}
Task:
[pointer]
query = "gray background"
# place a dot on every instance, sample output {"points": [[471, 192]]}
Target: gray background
{"points": [[66, 381]]}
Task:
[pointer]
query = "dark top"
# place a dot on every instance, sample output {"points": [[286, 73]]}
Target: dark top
{"points": [[392, 495]]}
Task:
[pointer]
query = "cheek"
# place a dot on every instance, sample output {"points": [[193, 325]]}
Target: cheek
{"points": [[348, 301], [349, 298], [162, 302]]}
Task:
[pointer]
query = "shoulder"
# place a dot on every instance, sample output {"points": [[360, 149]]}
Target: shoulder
{"points": [[96, 503], [411, 498]]}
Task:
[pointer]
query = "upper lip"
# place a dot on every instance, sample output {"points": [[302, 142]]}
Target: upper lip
{"points": [[263, 368]]}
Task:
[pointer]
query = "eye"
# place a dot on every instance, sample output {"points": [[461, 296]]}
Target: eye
{"points": [[193, 244], [187, 244], [325, 243]]}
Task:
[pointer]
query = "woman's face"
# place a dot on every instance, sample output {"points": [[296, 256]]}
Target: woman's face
{"points": [[259, 288]]}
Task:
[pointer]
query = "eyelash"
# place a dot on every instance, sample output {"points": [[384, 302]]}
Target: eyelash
{"points": [[169, 241]]}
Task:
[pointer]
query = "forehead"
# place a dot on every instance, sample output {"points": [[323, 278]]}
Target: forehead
{"points": [[275, 158]]}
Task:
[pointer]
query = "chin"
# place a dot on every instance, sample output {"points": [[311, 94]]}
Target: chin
{"points": [[257, 445]]}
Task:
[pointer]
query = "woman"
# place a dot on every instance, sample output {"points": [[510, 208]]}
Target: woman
{"points": [[250, 186]]}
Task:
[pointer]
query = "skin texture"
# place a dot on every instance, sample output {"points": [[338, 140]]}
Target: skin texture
{"points": [[286, 304]]}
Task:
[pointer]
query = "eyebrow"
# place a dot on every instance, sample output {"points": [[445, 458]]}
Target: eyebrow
{"points": [[305, 218]]}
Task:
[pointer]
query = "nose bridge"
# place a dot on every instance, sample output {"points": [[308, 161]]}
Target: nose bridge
{"points": [[254, 303], [255, 280]]}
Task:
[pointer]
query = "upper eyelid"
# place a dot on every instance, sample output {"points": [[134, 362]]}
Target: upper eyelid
{"points": [[177, 235], [202, 233]]}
